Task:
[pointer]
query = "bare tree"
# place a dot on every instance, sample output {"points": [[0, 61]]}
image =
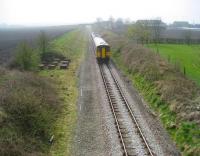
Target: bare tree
{"points": [[99, 22], [111, 22], [43, 42], [139, 31], [156, 25], [119, 23], [26, 58], [145, 32], [187, 36], [156, 30]]}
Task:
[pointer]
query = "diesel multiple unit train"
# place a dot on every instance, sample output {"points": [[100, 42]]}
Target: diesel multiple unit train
{"points": [[101, 48]]}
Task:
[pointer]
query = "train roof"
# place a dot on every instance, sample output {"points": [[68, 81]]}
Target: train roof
{"points": [[100, 41], [95, 35]]}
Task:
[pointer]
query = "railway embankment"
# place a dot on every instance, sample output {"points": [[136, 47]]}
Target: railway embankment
{"points": [[38, 108], [172, 97]]}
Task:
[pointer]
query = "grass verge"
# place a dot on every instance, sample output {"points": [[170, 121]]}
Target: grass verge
{"points": [[66, 86]]}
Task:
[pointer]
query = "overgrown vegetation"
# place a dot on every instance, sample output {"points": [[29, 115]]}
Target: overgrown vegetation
{"points": [[168, 91], [28, 108], [43, 45], [26, 58], [37, 107]]}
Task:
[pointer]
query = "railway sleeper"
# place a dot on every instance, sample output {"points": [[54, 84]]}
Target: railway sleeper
{"points": [[123, 132], [128, 142], [126, 139], [117, 110], [113, 98], [110, 92], [131, 151], [108, 84], [131, 154], [109, 89], [115, 106], [122, 128], [119, 115]]}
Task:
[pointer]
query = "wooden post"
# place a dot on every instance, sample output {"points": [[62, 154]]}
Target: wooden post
{"points": [[184, 70], [169, 58]]}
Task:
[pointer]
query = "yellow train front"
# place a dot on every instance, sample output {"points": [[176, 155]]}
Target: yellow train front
{"points": [[102, 49]]}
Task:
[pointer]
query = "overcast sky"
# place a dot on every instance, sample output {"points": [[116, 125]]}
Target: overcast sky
{"points": [[56, 12]]}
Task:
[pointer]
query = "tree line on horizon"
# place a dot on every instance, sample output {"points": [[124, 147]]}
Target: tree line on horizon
{"points": [[150, 31]]}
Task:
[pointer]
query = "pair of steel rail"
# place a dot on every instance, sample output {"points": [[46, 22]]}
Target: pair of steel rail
{"points": [[113, 106]]}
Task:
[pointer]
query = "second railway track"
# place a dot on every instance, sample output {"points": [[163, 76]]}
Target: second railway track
{"points": [[131, 137]]}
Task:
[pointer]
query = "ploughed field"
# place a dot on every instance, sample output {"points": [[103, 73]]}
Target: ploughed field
{"points": [[11, 37], [183, 56]]}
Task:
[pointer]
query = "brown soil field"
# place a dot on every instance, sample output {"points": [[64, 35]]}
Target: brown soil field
{"points": [[10, 38]]}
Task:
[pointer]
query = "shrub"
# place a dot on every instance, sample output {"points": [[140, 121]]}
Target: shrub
{"points": [[28, 108], [25, 58]]}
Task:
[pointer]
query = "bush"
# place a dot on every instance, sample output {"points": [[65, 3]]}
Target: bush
{"points": [[26, 58], [28, 108]]}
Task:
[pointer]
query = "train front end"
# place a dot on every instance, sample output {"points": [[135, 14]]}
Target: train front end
{"points": [[102, 49]]}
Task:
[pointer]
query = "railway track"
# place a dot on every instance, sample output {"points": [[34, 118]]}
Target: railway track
{"points": [[131, 137]]}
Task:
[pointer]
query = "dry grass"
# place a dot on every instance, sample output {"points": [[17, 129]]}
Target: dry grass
{"points": [[28, 107]]}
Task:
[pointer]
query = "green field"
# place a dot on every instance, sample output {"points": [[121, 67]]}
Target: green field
{"points": [[187, 56]]}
